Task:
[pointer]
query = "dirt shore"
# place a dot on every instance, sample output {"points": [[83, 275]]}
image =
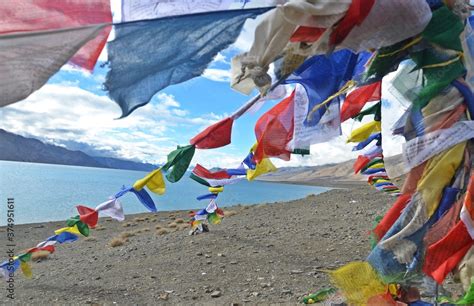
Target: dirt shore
{"points": [[259, 254]]}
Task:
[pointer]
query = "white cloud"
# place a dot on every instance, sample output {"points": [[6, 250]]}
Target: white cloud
{"points": [[220, 58], [60, 113], [218, 75]]}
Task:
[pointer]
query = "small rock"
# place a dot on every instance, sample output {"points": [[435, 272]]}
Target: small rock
{"points": [[164, 296], [233, 262], [199, 254], [209, 262], [296, 271], [255, 294], [216, 294], [220, 255], [207, 255], [284, 292]]}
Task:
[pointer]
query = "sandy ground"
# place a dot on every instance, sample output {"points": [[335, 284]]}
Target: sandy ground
{"points": [[259, 254]]}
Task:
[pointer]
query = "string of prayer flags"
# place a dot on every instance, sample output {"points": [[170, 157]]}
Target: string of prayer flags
{"points": [[81, 225]]}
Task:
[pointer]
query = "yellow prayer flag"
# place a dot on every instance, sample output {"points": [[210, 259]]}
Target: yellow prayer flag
{"points": [[216, 189], [358, 282], [71, 229], [265, 166], [377, 166], [154, 181], [26, 269], [363, 132], [438, 173]]}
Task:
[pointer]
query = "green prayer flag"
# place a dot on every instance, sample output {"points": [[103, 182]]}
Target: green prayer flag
{"points": [[82, 227], [373, 110], [199, 180], [179, 161], [444, 29], [25, 257]]}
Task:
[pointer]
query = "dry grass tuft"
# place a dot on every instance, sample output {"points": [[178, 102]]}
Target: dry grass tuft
{"points": [[90, 239], [179, 221], [162, 231], [139, 219], [184, 226], [127, 234], [127, 224], [158, 226], [117, 241], [230, 213], [146, 229], [100, 228], [172, 225]]}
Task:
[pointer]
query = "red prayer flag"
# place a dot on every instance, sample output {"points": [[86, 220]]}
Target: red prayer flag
{"points": [[214, 136], [274, 130], [48, 248], [88, 215], [41, 15], [360, 163], [355, 15], [392, 215], [307, 34], [356, 100], [444, 255], [204, 173]]}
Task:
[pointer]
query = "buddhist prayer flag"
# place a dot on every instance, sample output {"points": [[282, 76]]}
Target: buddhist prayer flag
{"points": [[356, 100], [111, 208], [363, 132], [147, 56], [204, 173], [154, 181], [214, 136], [178, 161], [29, 59], [322, 76], [30, 16], [304, 135], [274, 130]]}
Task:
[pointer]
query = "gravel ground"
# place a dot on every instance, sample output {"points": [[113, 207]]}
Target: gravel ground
{"points": [[259, 254]]}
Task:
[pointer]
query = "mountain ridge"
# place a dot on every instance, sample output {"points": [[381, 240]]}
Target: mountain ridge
{"points": [[14, 147]]}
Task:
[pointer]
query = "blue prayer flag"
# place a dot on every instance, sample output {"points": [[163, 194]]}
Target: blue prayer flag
{"points": [[147, 56], [322, 76]]}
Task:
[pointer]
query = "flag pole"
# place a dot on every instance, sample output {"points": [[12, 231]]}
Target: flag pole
{"points": [[255, 99]]}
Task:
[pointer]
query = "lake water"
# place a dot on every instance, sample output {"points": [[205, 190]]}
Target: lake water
{"points": [[44, 192]]}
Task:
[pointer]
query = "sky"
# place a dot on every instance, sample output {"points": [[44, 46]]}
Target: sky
{"points": [[74, 111]]}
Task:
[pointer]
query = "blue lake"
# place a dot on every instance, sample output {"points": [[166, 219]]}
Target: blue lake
{"points": [[44, 192]]}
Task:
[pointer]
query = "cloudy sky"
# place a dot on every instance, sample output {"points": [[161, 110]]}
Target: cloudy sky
{"points": [[73, 110]]}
